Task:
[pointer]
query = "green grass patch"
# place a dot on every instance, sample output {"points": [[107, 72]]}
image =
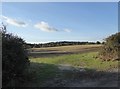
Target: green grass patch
{"points": [[86, 60], [40, 72]]}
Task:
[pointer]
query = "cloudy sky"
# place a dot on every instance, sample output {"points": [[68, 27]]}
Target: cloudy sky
{"points": [[45, 22]]}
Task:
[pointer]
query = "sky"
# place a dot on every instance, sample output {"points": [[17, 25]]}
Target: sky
{"points": [[41, 22]]}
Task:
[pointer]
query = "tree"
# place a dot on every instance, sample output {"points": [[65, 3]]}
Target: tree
{"points": [[111, 48], [14, 57], [98, 42]]}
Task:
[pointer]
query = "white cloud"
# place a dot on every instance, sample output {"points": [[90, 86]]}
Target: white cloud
{"points": [[43, 26], [67, 30], [14, 22]]}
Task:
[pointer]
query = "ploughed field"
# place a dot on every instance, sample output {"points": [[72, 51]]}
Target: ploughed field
{"points": [[70, 66], [62, 50]]}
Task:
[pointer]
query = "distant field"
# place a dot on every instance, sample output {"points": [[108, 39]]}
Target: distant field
{"points": [[56, 51]]}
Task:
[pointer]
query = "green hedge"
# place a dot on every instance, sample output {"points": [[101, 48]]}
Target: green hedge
{"points": [[14, 58], [111, 48]]}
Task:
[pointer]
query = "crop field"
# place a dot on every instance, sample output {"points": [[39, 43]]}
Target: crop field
{"points": [[70, 66], [62, 50]]}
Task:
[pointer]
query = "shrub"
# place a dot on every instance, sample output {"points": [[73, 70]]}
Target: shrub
{"points": [[14, 57], [111, 48]]}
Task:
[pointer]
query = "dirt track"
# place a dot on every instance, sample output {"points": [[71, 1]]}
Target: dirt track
{"points": [[81, 78]]}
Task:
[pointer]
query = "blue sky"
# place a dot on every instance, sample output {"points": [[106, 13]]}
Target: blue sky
{"points": [[45, 22]]}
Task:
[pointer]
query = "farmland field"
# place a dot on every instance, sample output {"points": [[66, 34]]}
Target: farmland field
{"points": [[61, 50], [74, 66]]}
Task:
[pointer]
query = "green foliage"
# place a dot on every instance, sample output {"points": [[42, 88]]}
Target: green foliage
{"points": [[14, 57], [111, 48], [98, 42]]}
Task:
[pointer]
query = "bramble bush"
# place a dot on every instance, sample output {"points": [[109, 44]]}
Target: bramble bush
{"points": [[14, 57], [111, 48]]}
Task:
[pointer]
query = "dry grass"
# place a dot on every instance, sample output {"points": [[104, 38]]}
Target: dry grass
{"points": [[73, 48], [62, 50]]}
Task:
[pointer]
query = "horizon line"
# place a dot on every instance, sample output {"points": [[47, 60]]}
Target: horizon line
{"points": [[60, 41]]}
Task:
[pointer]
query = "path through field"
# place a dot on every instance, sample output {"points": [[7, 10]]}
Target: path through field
{"points": [[56, 67], [80, 77]]}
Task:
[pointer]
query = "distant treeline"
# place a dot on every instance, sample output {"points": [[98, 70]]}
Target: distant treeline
{"points": [[61, 43]]}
